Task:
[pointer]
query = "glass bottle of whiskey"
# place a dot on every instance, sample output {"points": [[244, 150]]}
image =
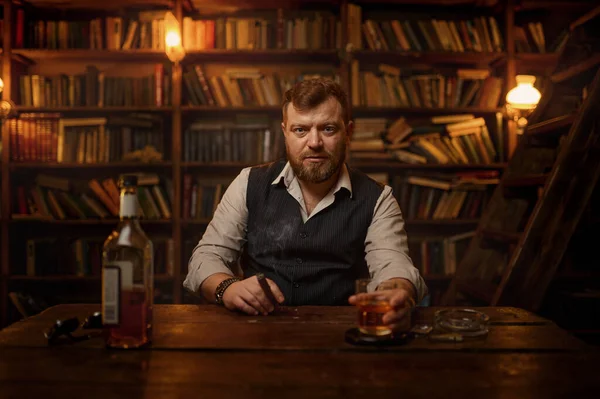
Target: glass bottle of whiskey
{"points": [[127, 276]]}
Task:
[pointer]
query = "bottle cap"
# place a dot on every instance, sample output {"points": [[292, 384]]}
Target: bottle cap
{"points": [[128, 181]]}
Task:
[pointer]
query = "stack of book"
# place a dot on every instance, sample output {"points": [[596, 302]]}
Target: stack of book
{"points": [[437, 196], [447, 139]]}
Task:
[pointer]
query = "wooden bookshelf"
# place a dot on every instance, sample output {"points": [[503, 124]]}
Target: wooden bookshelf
{"points": [[179, 113]]}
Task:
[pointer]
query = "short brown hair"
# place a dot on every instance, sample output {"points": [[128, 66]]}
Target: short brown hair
{"points": [[308, 94]]}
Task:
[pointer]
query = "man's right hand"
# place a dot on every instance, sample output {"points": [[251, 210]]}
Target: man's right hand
{"points": [[248, 296]]}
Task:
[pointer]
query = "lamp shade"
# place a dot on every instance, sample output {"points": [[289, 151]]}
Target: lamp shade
{"points": [[524, 96], [173, 45]]}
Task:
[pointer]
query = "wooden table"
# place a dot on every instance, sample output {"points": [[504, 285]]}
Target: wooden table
{"points": [[208, 352]]}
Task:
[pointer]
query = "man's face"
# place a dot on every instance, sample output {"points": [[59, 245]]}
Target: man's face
{"points": [[316, 140]]}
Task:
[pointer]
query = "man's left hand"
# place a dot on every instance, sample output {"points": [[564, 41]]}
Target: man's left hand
{"points": [[401, 300]]}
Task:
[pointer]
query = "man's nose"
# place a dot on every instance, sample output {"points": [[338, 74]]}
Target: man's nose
{"points": [[314, 139]]}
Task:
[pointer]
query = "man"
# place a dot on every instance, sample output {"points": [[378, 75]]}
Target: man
{"points": [[311, 225]]}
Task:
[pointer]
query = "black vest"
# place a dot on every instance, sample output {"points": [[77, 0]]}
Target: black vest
{"points": [[313, 263]]}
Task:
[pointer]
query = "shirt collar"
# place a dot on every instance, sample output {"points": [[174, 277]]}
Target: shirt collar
{"points": [[287, 176]]}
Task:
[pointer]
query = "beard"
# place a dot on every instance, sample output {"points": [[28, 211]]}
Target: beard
{"points": [[320, 171]]}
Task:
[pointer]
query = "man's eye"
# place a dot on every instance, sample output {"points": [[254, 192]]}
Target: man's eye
{"points": [[330, 129], [298, 130]]}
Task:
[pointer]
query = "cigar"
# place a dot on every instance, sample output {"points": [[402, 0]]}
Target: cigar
{"points": [[262, 280]]}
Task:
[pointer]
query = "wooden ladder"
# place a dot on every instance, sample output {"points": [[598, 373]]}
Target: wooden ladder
{"points": [[526, 227]]}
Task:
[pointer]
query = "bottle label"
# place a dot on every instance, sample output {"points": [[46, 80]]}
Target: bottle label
{"points": [[128, 205], [111, 293], [116, 277]]}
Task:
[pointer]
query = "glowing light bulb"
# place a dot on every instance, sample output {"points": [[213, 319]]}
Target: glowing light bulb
{"points": [[173, 39]]}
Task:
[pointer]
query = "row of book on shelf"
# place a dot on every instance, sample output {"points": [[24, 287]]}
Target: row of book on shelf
{"points": [[82, 256], [308, 30], [444, 139], [438, 196], [438, 256], [93, 88], [248, 139], [432, 196], [76, 256], [389, 86], [59, 198], [273, 30], [47, 137], [241, 86], [146, 30], [201, 196], [477, 34]]}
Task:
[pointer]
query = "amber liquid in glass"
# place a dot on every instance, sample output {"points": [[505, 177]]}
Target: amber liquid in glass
{"points": [[370, 317]]}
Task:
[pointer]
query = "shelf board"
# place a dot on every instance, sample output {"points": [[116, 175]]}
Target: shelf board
{"points": [[392, 165], [526, 181], [73, 278], [550, 125], [217, 165], [83, 222], [86, 55], [398, 57], [209, 109], [536, 62], [141, 108], [395, 111], [113, 165], [267, 55]]}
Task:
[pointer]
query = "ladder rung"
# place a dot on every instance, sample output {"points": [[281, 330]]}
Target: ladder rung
{"points": [[526, 180], [576, 69], [500, 235], [550, 125], [477, 289]]}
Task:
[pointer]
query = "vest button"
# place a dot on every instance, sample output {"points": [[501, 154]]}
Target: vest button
{"points": [[303, 235], [296, 285], [298, 260]]}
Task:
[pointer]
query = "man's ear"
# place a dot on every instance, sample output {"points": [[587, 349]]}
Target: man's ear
{"points": [[283, 128], [349, 130]]}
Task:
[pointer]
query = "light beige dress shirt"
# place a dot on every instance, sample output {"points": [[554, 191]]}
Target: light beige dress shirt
{"points": [[386, 246]]}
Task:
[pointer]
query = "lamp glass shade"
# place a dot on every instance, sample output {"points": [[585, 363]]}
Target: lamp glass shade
{"points": [[173, 45], [524, 96]]}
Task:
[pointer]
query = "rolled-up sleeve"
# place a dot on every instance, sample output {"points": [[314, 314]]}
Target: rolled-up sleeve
{"points": [[220, 246], [386, 246]]}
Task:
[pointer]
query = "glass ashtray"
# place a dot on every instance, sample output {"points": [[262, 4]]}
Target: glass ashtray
{"points": [[467, 322]]}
